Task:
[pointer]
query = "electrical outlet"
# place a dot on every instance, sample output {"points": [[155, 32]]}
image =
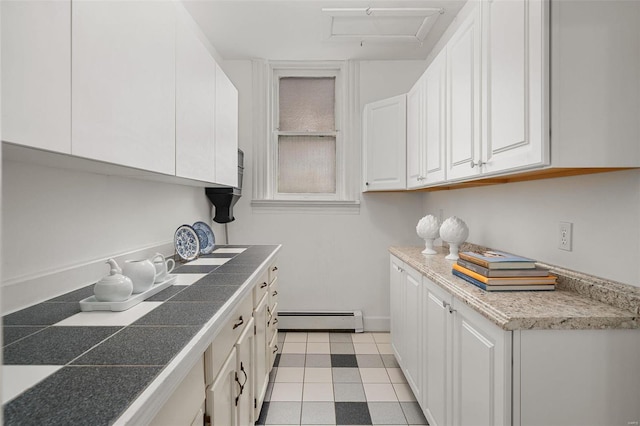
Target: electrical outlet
{"points": [[565, 236]]}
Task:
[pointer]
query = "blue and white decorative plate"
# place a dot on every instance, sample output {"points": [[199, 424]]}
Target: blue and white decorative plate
{"points": [[186, 242], [206, 237]]}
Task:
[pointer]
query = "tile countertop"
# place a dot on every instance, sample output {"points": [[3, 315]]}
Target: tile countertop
{"points": [[63, 366], [580, 301]]}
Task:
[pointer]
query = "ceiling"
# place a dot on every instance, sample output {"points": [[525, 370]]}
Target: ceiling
{"points": [[323, 30]]}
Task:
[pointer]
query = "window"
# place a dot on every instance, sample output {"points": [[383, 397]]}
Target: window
{"points": [[306, 141]]}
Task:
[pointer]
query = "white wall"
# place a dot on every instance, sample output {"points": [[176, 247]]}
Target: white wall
{"points": [[55, 219], [331, 261], [524, 217]]}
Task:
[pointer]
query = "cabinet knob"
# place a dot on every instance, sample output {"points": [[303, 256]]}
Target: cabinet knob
{"points": [[366, 183], [479, 164]]}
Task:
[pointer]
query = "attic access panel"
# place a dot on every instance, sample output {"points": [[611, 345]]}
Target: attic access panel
{"points": [[380, 24]]}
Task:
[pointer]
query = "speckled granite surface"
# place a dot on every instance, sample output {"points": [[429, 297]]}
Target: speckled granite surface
{"points": [[580, 301]]}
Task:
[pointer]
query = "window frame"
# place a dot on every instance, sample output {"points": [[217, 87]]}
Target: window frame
{"points": [[275, 133], [266, 80]]}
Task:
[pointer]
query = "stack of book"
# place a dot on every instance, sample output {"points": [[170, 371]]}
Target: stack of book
{"points": [[498, 271]]}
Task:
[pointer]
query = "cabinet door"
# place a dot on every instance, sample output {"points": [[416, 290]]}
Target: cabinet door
{"points": [[260, 359], [245, 368], [123, 83], [415, 132], [435, 94], [463, 84], [396, 299], [436, 347], [226, 133], [385, 126], [221, 395], [513, 77], [412, 357], [36, 74], [195, 106], [481, 370]]}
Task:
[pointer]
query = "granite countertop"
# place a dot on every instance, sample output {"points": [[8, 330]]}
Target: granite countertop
{"points": [[580, 301], [103, 368]]}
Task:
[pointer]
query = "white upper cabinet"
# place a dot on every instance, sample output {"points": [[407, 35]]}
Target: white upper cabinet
{"points": [[595, 83], [195, 106], [226, 132], [513, 85], [123, 83], [463, 87], [36, 74], [415, 135], [385, 142], [435, 102], [426, 114]]}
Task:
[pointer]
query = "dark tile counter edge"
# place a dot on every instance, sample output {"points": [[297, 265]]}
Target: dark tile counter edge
{"points": [[151, 400]]}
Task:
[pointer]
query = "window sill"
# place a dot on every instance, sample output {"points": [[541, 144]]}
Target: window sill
{"points": [[306, 206]]}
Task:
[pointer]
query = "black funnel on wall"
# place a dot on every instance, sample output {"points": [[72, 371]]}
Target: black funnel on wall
{"points": [[225, 198]]}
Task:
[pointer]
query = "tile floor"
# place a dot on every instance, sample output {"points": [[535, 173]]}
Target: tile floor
{"points": [[338, 379]]}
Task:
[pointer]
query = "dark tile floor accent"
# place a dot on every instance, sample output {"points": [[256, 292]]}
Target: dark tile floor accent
{"points": [[352, 413], [48, 402], [61, 345], [343, 360]]}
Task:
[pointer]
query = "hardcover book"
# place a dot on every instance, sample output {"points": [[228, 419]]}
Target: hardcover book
{"points": [[535, 272], [548, 279], [488, 287], [498, 260]]}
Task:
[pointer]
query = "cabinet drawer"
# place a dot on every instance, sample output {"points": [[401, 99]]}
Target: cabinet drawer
{"points": [[273, 271], [261, 288], [218, 351]]}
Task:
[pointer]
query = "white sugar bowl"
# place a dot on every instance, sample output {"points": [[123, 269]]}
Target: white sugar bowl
{"points": [[455, 232], [142, 274], [115, 287]]}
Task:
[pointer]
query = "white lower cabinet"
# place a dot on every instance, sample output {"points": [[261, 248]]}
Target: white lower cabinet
{"points": [[481, 371], [436, 330], [186, 404], [472, 372], [221, 396], [240, 358], [457, 363]]}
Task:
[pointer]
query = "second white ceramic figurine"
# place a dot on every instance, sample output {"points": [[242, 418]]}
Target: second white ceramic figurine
{"points": [[455, 232], [428, 229]]}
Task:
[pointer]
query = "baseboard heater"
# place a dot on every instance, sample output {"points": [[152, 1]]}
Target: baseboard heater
{"points": [[321, 321]]}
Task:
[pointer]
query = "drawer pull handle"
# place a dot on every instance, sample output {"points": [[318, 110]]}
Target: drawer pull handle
{"points": [[275, 268], [275, 321], [276, 349], [239, 323], [263, 285], [275, 293], [240, 386], [245, 376], [268, 311]]}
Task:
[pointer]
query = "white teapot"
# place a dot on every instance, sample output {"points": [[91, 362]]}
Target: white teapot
{"points": [[162, 267], [115, 287], [142, 274]]}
